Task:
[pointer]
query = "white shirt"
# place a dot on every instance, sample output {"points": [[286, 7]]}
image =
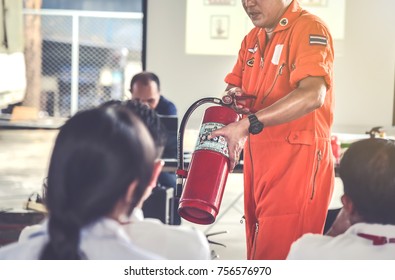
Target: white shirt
{"points": [[101, 240], [347, 246], [172, 242]]}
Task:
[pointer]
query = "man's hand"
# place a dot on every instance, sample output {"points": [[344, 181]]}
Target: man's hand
{"points": [[235, 135], [241, 101]]}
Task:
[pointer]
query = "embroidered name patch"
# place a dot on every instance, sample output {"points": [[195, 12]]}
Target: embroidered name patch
{"points": [[318, 40], [254, 49]]}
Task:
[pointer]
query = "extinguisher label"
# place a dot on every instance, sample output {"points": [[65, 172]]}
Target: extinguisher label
{"points": [[217, 144]]}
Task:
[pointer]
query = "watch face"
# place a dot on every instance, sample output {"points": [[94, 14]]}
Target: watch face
{"points": [[255, 129], [255, 125]]}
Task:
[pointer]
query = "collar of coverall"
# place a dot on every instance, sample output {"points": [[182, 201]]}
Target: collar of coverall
{"points": [[291, 14]]}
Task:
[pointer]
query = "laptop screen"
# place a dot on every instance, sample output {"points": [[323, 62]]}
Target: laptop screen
{"points": [[171, 125]]}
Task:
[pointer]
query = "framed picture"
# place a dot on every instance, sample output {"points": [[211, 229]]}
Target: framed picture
{"points": [[220, 2], [313, 3], [219, 27]]}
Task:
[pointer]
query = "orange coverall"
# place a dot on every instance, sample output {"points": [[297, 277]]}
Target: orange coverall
{"points": [[288, 169]]}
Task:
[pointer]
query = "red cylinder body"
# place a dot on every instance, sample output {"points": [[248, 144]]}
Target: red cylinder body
{"points": [[208, 170]]}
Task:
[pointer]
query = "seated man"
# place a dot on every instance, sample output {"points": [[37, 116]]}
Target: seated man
{"points": [[145, 87], [365, 227]]}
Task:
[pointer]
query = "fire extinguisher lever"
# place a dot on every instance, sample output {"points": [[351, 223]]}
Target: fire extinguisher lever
{"points": [[231, 100]]}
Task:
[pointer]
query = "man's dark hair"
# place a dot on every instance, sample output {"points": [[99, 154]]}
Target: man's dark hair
{"points": [[149, 117], [152, 121], [367, 170], [145, 78]]}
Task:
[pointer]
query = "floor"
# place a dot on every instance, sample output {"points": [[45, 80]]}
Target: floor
{"points": [[24, 157], [229, 223]]}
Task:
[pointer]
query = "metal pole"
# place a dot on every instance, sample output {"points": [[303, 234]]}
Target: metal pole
{"points": [[74, 65]]}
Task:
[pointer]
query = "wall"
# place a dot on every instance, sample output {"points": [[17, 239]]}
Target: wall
{"points": [[364, 66], [364, 75], [184, 78]]}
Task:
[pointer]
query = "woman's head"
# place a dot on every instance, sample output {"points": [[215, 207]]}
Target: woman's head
{"points": [[98, 154]]}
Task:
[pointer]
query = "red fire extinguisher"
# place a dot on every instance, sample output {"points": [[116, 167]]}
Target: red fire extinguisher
{"points": [[208, 169]]}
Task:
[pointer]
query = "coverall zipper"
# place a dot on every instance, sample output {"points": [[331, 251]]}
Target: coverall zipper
{"points": [[319, 158], [254, 241], [279, 73]]}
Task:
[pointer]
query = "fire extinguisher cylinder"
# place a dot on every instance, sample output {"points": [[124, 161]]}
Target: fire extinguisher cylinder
{"points": [[208, 170]]}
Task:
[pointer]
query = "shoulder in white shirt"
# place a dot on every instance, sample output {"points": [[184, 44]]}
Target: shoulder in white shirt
{"points": [[104, 239], [347, 246], [169, 241]]}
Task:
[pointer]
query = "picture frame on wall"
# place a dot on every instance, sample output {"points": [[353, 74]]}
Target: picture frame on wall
{"points": [[220, 2], [314, 3], [219, 27]]}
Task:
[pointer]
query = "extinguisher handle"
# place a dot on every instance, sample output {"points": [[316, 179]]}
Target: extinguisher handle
{"points": [[230, 100], [244, 97]]}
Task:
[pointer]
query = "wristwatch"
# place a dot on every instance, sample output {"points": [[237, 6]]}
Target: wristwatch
{"points": [[255, 125]]}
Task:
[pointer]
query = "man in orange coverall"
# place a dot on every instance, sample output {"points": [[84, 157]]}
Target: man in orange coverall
{"points": [[286, 63]]}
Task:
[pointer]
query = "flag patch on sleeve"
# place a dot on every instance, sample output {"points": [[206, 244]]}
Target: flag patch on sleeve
{"points": [[318, 40]]}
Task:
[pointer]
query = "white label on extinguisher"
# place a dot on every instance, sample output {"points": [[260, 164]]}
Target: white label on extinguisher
{"points": [[217, 144]]}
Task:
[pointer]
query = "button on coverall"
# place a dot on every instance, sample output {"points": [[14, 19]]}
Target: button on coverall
{"points": [[288, 168]]}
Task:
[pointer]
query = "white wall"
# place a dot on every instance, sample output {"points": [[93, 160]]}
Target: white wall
{"points": [[364, 75], [364, 68], [184, 78]]}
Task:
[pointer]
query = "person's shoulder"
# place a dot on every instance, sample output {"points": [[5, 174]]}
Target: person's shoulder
{"points": [[11, 251], [165, 239], [25, 250], [166, 107], [29, 231], [308, 246], [307, 19], [312, 239], [155, 226], [117, 249], [252, 34], [107, 239], [309, 25]]}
